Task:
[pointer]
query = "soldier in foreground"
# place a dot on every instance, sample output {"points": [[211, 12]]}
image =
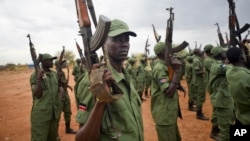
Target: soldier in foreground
{"points": [[120, 119]]}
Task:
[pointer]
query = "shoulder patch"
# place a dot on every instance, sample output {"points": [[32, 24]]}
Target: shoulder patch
{"points": [[162, 80]]}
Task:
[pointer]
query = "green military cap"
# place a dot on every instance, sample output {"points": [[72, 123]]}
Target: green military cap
{"points": [[217, 50], [208, 47], [46, 56], [119, 27], [159, 47]]}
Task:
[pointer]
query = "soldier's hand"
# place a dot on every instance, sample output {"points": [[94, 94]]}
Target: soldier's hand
{"points": [[107, 77], [40, 73]]}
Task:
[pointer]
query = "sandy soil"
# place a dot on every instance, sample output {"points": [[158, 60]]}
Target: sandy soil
{"points": [[16, 102]]}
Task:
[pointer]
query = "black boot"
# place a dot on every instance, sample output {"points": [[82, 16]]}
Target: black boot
{"points": [[215, 133], [191, 106], [200, 115], [69, 130]]}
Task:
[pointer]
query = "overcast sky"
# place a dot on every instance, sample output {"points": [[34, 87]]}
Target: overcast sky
{"points": [[53, 23]]}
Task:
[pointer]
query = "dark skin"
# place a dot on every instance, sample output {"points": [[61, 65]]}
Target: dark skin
{"points": [[46, 65]]}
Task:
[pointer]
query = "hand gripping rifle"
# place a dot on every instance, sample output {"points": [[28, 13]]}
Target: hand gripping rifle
{"points": [[157, 37], [169, 50], [236, 31], [222, 43], [35, 60]]}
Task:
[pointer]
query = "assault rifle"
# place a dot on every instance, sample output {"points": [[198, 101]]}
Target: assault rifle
{"points": [[35, 60], [81, 56], [227, 39], [91, 42], [236, 31], [169, 51], [245, 39], [157, 37], [234, 27], [90, 131], [146, 49], [222, 43], [59, 67]]}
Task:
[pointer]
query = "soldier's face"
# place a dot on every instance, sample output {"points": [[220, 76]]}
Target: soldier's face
{"points": [[118, 47]]}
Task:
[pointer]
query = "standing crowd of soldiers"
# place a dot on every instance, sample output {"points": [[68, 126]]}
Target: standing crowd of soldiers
{"points": [[206, 71], [109, 96]]}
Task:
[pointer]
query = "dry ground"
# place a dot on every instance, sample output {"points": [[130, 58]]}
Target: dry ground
{"points": [[16, 102]]}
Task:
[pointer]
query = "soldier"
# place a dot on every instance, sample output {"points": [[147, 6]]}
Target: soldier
{"points": [[123, 120], [65, 105], [132, 70], [198, 83], [77, 70], [207, 61], [239, 85], [148, 78], [191, 90], [45, 109], [141, 75], [221, 98], [165, 107]]}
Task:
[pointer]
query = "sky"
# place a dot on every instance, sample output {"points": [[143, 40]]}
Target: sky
{"points": [[53, 23]]}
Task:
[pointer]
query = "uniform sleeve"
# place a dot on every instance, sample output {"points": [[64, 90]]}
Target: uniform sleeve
{"points": [[33, 81], [86, 100], [161, 75]]}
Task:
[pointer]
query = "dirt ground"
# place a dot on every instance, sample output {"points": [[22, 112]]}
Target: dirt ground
{"points": [[16, 102]]}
